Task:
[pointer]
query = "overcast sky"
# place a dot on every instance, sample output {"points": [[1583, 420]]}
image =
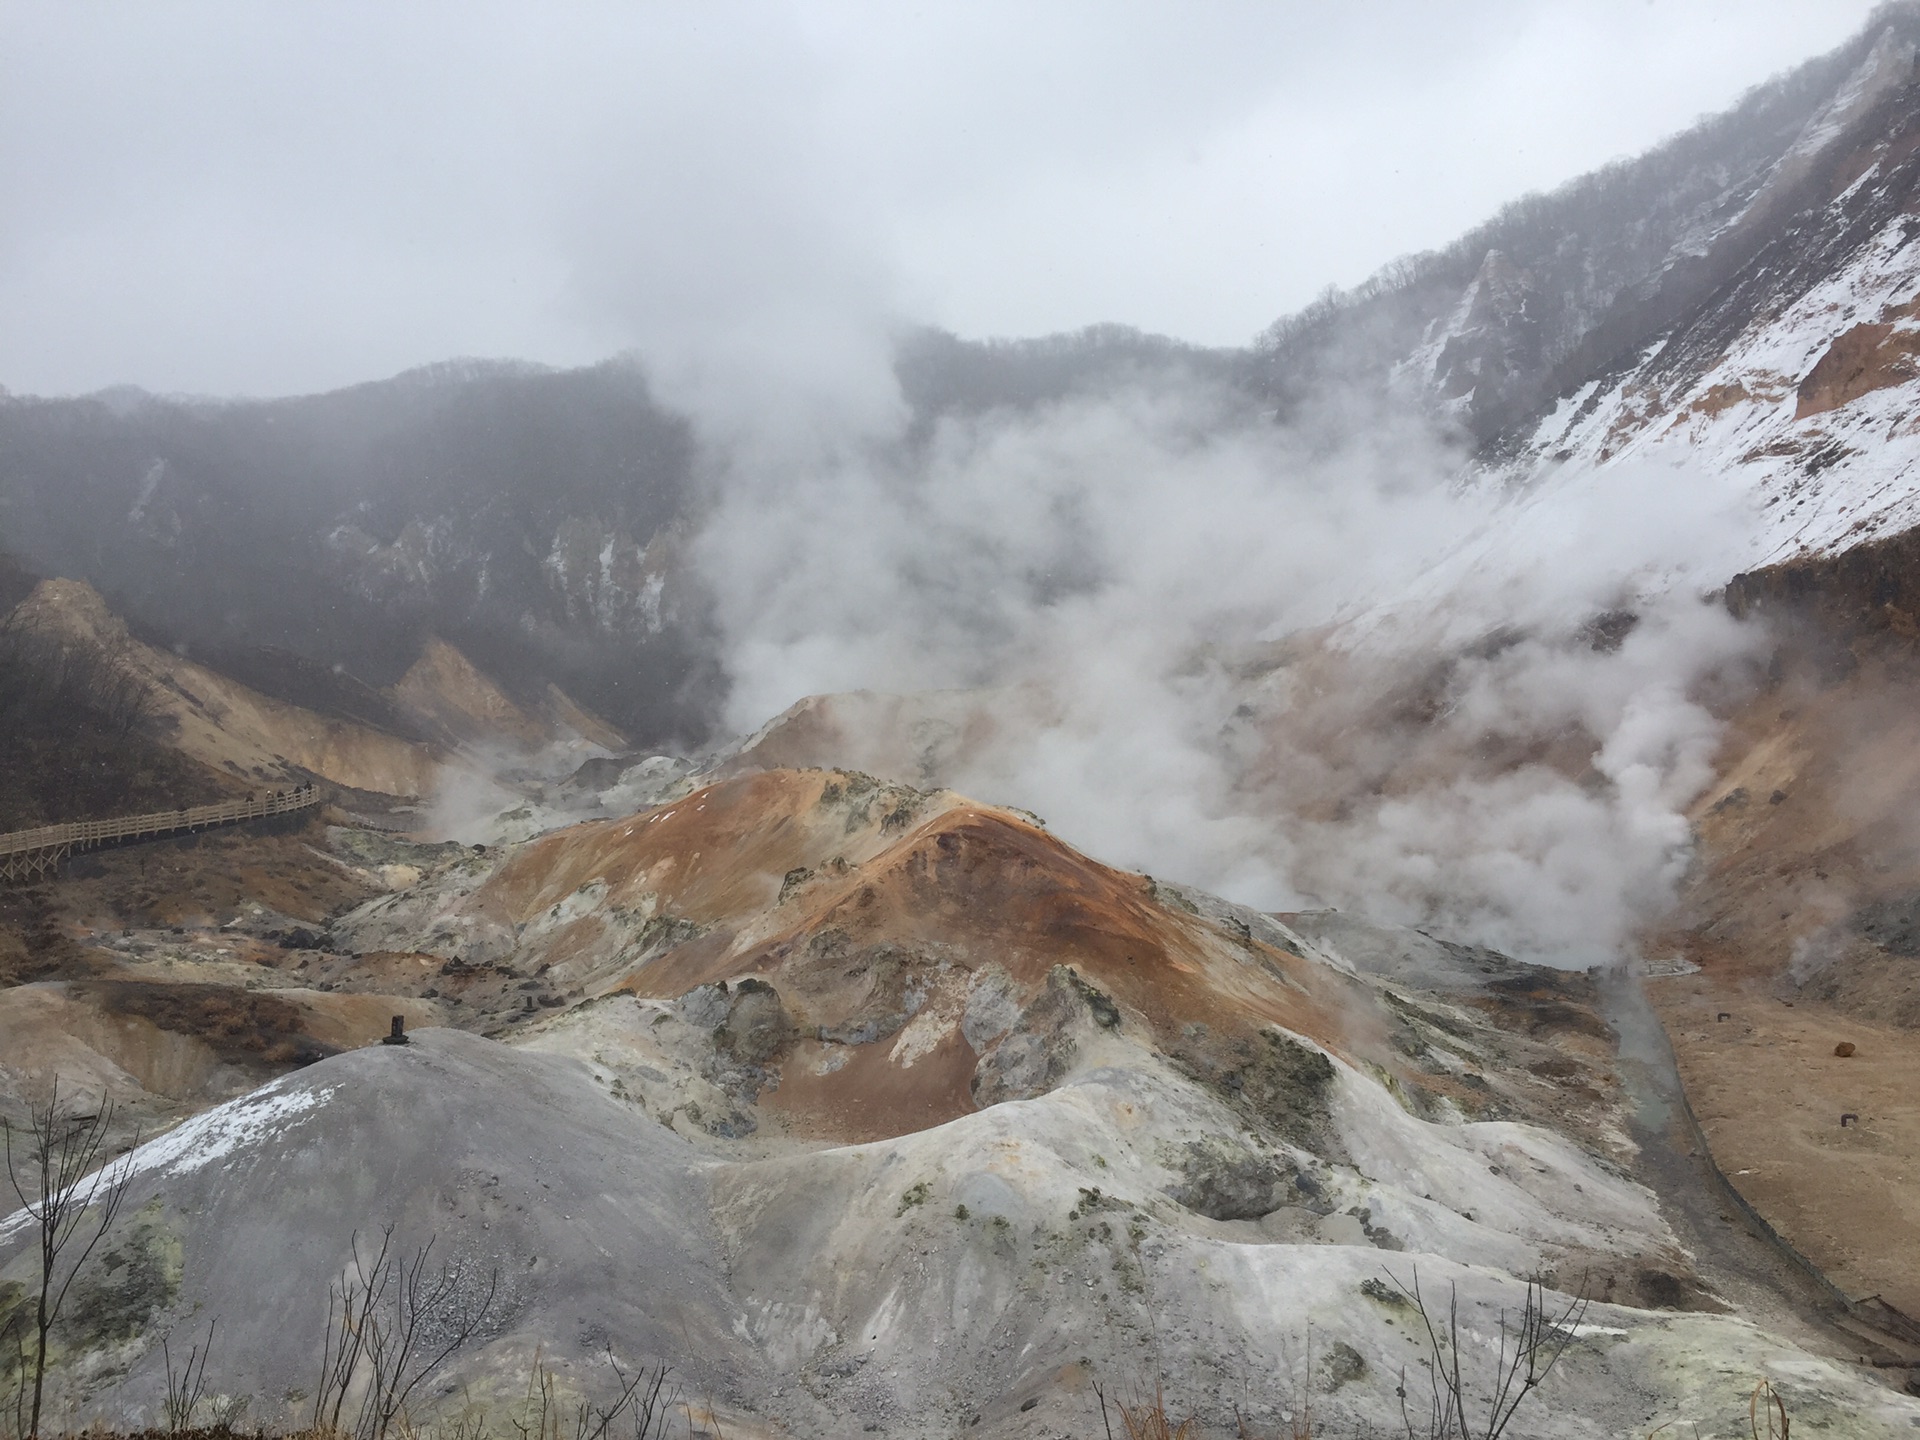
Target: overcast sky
{"points": [[250, 198]]}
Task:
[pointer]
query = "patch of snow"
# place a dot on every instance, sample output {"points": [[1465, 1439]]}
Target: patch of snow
{"points": [[218, 1133], [149, 482]]}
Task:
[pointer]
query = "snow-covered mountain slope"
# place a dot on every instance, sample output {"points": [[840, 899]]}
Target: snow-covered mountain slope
{"points": [[1558, 288], [1740, 301], [1797, 376]]}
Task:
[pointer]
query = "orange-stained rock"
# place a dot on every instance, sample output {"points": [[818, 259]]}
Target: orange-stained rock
{"points": [[1858, 362]]}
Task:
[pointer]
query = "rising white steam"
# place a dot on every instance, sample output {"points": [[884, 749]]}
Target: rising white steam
{"points": [[1301, 666]]}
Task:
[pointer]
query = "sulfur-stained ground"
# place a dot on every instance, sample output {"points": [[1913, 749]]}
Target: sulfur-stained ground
{"points": [[1795, 926], [880, 1111]]}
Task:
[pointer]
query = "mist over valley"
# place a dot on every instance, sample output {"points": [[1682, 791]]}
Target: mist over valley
{"points": [[931, 885]]}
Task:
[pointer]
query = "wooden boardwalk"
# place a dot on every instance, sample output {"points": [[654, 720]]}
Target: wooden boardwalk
{"points": [[32, 854]]}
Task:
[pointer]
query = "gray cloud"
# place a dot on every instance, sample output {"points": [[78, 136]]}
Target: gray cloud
{"points": [[239, 198]]}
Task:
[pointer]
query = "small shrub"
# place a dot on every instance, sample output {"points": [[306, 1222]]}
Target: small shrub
{"points": [[915, 1194], [1147, 1418]]}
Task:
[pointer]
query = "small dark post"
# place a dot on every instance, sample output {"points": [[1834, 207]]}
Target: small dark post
{"points": [[397, 1035]]}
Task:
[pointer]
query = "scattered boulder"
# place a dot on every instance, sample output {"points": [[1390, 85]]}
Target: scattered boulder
{"points": [[1343, 1365], [992, 1009], [757, 1028], [1227, 1179]]}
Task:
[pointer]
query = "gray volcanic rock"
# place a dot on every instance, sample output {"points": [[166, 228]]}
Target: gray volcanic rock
{"points": [[973, 1277], [768, 1165], [593, 1217]]}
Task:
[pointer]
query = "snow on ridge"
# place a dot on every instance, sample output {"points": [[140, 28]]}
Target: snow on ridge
{"points": [[219, 1132], [1886, 66], [211, 1136], [1818, 485]]}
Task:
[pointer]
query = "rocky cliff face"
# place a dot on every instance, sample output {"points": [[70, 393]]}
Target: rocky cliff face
{"points": [[532, 518]]}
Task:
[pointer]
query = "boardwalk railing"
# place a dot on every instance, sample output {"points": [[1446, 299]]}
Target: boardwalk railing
{"points": [[29, 854]]}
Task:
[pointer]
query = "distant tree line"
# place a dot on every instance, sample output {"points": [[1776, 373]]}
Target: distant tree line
{"points": [[79, 737], [1592, 244]]}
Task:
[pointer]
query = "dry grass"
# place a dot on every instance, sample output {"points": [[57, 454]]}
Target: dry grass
{"points": [[251, 1028], [1147, 1419]]}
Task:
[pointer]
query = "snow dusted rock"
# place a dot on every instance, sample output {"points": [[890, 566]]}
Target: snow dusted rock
{"points": [[510, 1163], [1809, 407], [934, 1282], [894, 1112], [1778, 351]]}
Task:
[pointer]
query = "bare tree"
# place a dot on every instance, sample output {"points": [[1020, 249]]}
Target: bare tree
{"points": [[71, 1190], [1529, 1349], [186, 1387], [641, 1396], [391, 1323], [1767, 1413], [14, 1335]]}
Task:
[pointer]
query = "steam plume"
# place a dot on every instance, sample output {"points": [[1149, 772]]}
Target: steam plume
{"points": [[1310, 665]]}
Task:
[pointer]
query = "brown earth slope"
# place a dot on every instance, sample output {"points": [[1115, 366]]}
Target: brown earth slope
{"points": [[447, 695], [170, 975], [223, 724], [1800, 918]]}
